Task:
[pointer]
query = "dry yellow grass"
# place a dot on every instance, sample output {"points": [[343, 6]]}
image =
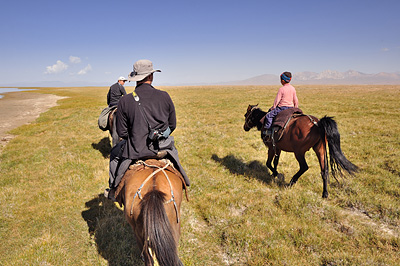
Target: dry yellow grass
{"points": [[53, 173]]}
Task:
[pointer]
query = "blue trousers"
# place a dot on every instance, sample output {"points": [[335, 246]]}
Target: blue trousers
{"points": [[269, 117]]}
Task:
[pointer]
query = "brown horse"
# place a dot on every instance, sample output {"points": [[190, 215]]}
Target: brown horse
{"points": [[151, 193], [112, 128], [301, 134]]}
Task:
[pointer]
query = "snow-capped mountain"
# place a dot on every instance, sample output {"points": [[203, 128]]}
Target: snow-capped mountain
{"points": [[326, 77]]}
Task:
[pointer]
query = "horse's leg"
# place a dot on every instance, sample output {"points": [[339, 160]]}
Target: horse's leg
{"points": [[271, 155], [303, 167], [276, 160], [320, 151]]}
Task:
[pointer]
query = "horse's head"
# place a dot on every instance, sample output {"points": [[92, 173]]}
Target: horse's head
{"points": [[251, 119]]}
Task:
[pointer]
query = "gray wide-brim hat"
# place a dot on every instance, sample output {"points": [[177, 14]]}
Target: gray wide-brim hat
{"points": [[141, 69]]}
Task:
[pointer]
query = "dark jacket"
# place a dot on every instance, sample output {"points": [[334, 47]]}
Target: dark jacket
{"points": [[115, 93], [132, 126]]}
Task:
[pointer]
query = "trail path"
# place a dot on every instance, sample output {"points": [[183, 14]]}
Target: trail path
{"points": [[19, 108]]}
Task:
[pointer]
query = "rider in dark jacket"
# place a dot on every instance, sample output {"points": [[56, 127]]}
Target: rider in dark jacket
{"points": [[139, 113], [159, 111], [116, 91]]}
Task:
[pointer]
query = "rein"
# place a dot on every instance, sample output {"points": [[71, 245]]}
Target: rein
{"points": [[160, 169]]}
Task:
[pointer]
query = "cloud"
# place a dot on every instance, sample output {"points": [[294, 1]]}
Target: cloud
{"points": [[74, 59], [56, 68], [385, 49], [85, 70]]}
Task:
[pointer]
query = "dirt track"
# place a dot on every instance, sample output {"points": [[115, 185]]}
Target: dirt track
{"points": [[19, 108]]}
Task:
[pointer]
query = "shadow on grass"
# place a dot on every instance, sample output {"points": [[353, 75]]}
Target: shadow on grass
{"points": [[104, 146], [253, 169], [114, 238]]}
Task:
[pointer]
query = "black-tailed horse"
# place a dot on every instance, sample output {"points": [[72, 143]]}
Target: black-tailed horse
{"points": [[151, 193], [302, 133]]}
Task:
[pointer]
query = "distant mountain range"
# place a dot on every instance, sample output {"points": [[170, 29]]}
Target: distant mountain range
{"points": [[350, 77]]}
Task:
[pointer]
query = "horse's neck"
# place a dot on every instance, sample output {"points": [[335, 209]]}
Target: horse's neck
{"points": [[260, 114]]}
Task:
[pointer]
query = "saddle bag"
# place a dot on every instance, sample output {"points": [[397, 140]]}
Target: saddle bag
{"points": [[103, 118]]}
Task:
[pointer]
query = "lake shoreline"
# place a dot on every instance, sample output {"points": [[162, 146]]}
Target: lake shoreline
{"points": [[20, 108]]}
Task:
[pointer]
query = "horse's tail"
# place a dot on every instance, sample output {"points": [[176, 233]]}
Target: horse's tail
{"points": [[159, 242], [337, 160]]}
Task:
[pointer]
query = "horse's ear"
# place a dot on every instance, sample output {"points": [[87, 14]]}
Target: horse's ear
{"points": [[257, 104]]}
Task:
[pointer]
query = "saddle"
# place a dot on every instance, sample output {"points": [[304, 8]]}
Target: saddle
{"points": [[283, 116], [141, 165], [279, 124]]}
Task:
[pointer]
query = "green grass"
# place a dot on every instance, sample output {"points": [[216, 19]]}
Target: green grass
{"points": [[53, 173]]}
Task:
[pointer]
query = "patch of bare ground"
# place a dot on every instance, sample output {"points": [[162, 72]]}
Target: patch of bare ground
{"points": [[363, 218], [20, 108]]}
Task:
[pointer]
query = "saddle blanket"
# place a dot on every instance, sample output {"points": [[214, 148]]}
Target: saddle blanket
{"points": [[283, 116]]}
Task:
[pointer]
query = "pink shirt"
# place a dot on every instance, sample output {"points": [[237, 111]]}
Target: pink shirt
{"points": [[286, 97]]}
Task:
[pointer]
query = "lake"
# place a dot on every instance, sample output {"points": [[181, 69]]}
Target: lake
{"points": [[5, 90]]}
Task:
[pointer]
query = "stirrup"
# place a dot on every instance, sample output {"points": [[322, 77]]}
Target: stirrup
{"points": [[109, 193], [268, 135]]}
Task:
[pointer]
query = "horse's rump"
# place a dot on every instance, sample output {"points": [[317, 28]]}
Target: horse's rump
{"points": [[143, 165], [151, 192], [111, 118]]}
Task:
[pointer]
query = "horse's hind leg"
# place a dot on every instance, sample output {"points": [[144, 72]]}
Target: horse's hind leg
{"points": [[303, 167], [320, 151], [271, 155]]}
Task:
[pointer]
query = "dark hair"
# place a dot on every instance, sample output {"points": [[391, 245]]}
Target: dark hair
{"points": [[288, 74], [286, 77]]}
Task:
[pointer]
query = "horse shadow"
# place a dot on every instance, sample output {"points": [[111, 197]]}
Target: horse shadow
{"points": [[104, 146], [253, 169], [113, 236]]}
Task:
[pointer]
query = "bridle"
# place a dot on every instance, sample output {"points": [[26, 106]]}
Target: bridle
{"points": [[248, 117]]}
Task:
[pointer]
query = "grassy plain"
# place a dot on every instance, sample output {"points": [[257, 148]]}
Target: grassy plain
{"points": [[53, 173]]}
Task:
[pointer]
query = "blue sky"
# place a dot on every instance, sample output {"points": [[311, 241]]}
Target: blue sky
{"points": [[194, 41]]}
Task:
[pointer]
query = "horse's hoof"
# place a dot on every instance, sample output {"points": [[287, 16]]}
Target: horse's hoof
{"points": [[280, 179], [325, 195]]}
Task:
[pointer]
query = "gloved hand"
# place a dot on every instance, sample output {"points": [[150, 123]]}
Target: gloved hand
{"points": [[166, 133]]}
